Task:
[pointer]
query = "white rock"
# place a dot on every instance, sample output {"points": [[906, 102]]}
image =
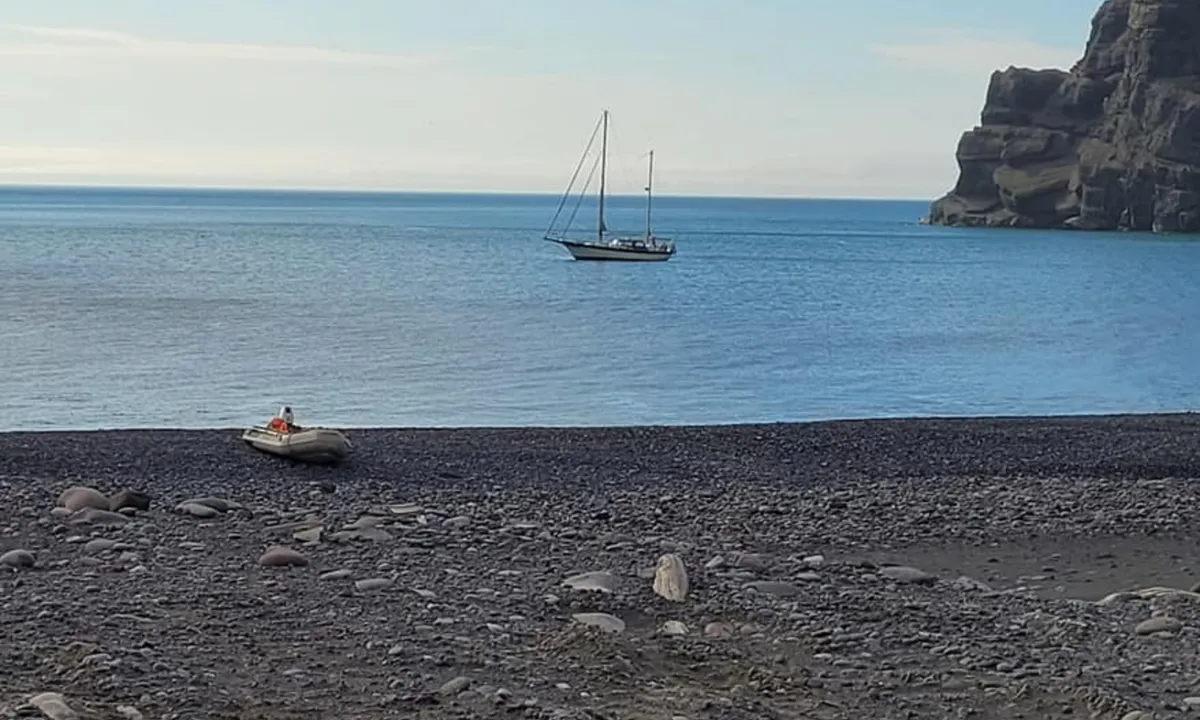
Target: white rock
{"points": [[1157, 624], [78, 497], [604, 621], [95, 516], [671, 578], [372, 583], [970, 584], [597, 580], [54, 706], [311, 536]]}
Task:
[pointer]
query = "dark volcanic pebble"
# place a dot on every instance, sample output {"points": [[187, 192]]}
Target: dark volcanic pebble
{"points": [[922, 568]]}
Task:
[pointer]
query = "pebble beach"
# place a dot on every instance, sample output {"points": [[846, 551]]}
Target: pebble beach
{"points": [[925, 568]]}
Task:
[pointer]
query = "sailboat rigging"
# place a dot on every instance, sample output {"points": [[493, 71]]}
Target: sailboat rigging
{"points": [[609, 246]]}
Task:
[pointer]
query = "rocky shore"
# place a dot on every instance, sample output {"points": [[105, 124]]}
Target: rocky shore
{"points": [[991, 568]]}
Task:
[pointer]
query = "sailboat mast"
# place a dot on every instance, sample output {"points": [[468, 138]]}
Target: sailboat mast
{"points": [[649, 192], [603, 174]]}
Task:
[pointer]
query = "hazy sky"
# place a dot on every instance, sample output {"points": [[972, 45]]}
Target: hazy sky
{"points": [[859, 98]]}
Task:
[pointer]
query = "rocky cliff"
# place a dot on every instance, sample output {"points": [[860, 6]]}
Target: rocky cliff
{"points": [[1114, 143]]}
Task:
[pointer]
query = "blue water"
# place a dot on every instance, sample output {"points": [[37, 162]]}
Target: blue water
{"points": [[134, 308]]}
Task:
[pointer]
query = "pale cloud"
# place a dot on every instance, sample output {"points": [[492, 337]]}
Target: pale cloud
{"points": [[41, 41], [960, 51], [36, 160], [107, 107]]}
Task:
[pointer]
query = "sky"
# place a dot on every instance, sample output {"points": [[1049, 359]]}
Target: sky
{"points": [[794, 98]]}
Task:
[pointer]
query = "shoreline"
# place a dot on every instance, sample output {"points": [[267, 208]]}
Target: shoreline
{"points": [[435, 561], [897, 419]]}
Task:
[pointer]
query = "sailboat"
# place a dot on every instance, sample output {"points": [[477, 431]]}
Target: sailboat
{"points": [[608, 246]]}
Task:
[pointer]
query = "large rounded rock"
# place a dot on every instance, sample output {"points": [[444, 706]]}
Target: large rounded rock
{"points": [[603, 621], [671, 578], [1157, 624], [54, 706], [78, 497], [17, 559], [279, 556]]}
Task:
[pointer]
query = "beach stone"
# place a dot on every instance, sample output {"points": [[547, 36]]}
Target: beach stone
{"points": [[814, 561], [456, 523], [406, 510], [603, 621], [750, 561], [17, 559], [291, 527], [674, 627], [372, 583], [671, 578], [718, 630], [1160, 623], [128, 712], [597, 580], [219, 504], [970, 584], [279, 556], [1114, 598], [773, 587], [310, 536], [130, 498], [1137, 715], [197, 510], [364, 522], [78, 497], [54, 706], [335, 575], [96, 516], [453, 687], [905, 575], [370, 534]]}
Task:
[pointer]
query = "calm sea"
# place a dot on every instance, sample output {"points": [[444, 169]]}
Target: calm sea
{"points": [[135, 308]]}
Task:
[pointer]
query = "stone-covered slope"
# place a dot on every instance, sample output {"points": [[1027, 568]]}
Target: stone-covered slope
{"points": [[1112, 144]]}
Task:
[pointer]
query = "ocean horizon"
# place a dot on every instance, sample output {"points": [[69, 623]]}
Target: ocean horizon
{"points": [[59, 188], [133, 307]]}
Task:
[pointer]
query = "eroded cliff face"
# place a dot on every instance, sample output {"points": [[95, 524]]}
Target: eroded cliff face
{"points": [[1114, 143]]}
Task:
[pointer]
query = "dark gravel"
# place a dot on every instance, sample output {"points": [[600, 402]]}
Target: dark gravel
{"points": [[1015, 527]]}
